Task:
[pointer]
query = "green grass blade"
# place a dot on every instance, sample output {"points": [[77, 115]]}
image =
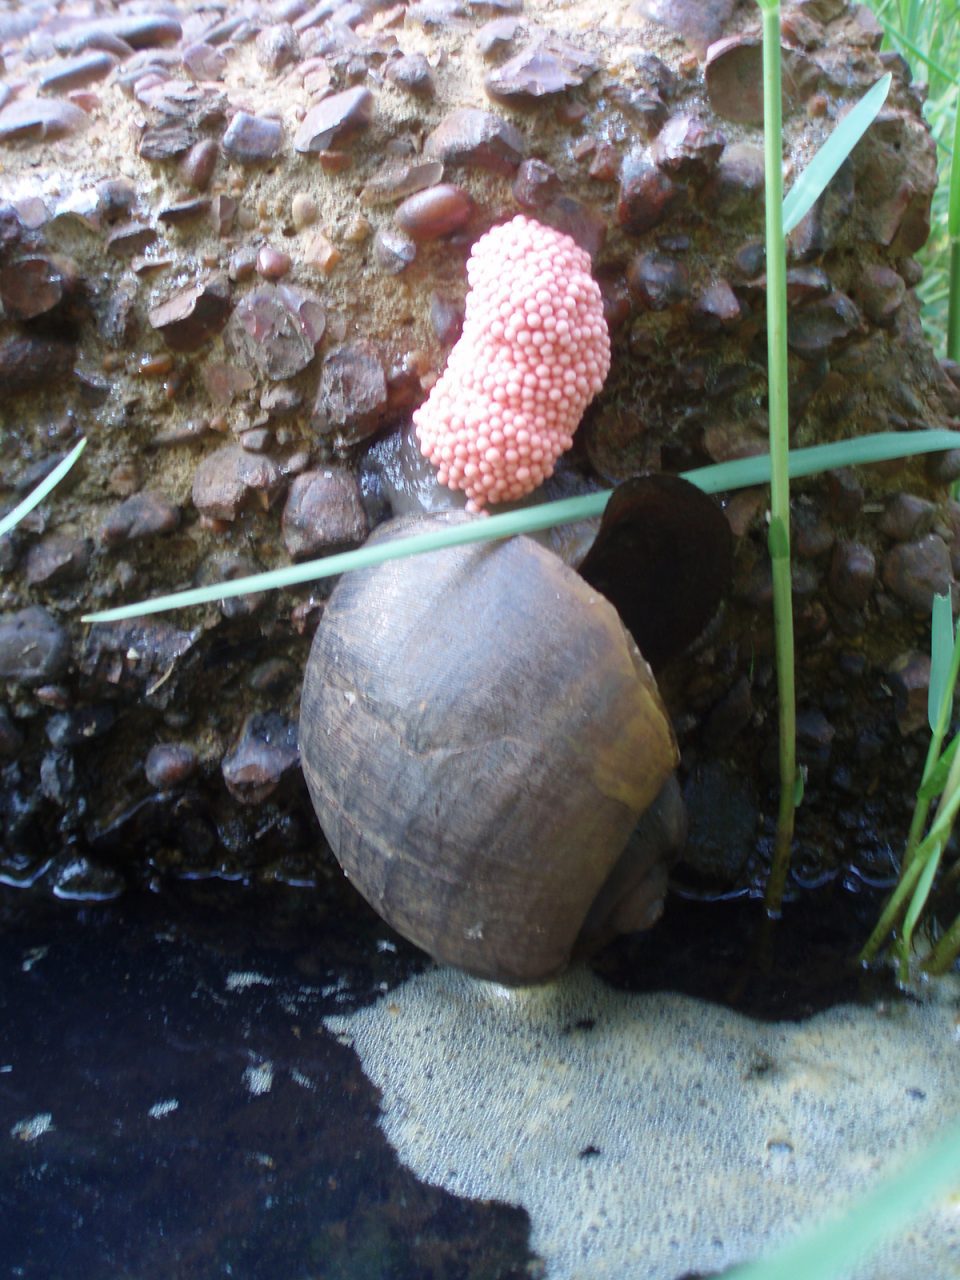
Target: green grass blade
{"points": [[917, 903], [941, 661], [719, 478], [814, 179], [828, 1251], [936, 778], [13, 518], [953, 232]]}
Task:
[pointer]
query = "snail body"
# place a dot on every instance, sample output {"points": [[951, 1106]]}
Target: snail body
{"points": [[479, 735]]}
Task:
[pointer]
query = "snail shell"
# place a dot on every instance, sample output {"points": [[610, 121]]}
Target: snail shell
{"points": [[479, 735]]}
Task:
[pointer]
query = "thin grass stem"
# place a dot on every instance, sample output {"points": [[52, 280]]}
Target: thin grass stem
{"points": [[953, 231], [778, 412], [50, 482]]}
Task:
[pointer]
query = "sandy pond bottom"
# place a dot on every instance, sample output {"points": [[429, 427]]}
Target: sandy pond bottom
{"points": [[181, 1094]]}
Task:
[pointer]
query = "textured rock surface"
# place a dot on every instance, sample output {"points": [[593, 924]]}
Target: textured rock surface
{"points": [[232, 247]]}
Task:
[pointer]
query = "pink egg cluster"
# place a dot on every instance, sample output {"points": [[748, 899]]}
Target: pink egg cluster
{"points": [[533, 353]]}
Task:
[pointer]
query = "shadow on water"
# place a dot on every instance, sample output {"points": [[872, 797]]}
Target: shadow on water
{"points": [[171, 1105], [202, 1123]]}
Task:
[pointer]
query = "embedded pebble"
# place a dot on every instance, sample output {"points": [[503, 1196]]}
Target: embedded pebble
{"points": [[193, 315], [303, 210], [266, 751], [57, 558], [657, 281], [31, 287], [273, 264], [71, 728], [734, 79], [436, 212], [319, 253], [352, 397], [400, 179], [74, 73], [204, 61], [393, 250], [277, 46], [716, 309], [496, 36], [130, 238], [411, 73], [536, 184], [170, 764], [687, 146], [646, 195], [477, 140], [881, 293], [252, 139], [908, 678], [823, 325], [906, 516], [197, 166], [142, 515], [698, 22], [324, 511], [30, 119], [29, 362], [548, 66], [138, 30], [183, 211], [335, 120], [225, 480], [853, 571], [166, 141], [278, 328], [33, 646], [446, 317], [737, 181], [917, 571]]}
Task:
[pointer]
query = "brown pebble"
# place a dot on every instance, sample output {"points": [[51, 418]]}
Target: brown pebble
{"points": [[908, 678], [303, 210], [716, 309], [191, 316], [129, 238], [32, 287], [223, 211], [688, 147], [436, 212], [697, 22], [823, 325], [138, 30], [334, 120], [853, 571], [446, 316], [476, 139], [536, 184], [276, 47], [227, 479], [170, 764], [277, 329], [323, 512], [411, 73], [31, 119], [917, 571], [73, 73], [352, 398], [142, 515], [265, 751], [646, 194], [34, 648], [29, 362], [272, 263], [657, 281], [252, 139], [881, 293], [320, 254], [125, 478], [546, 67], [906, 516], [203, 61], [59, 557], [393, 250], [197, 166]]}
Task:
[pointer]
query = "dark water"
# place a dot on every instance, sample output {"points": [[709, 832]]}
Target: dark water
{"points": [[109, 1014]]}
